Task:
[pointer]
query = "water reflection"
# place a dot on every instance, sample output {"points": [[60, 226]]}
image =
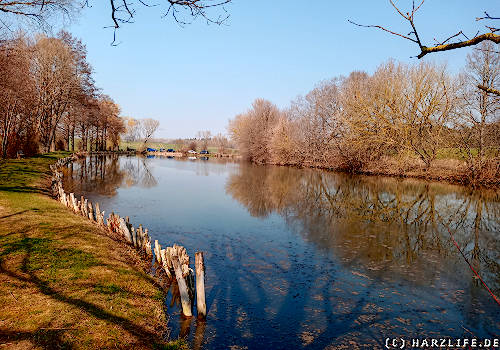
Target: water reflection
{"points": [[379, 222], [301, 258], [105, 174]]}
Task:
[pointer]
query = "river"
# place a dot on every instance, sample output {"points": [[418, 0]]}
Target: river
{"points": [[311, 259]]}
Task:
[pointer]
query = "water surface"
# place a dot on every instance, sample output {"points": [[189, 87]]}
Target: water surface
{"points": [[303, 258]]}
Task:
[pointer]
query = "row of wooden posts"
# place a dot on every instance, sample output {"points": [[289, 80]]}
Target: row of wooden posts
{"points": [[174, 261]]}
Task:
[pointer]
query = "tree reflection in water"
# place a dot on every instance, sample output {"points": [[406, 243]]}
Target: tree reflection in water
{"points": [[333, 259], [379, 221], [105, 174], [396, 229]]}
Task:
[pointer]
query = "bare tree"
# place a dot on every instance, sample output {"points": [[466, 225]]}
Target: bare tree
{"points": [[16, 99], [149, 127], [252, 131], [179, 144], [132, 129], [221, 142], [54, 72], [204, 137], [430, 103], [480, 110], [49, 99]]}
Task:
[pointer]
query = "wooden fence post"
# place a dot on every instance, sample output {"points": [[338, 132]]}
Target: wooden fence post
{"points": [[200, 285], [183, 291], [125, 231]]}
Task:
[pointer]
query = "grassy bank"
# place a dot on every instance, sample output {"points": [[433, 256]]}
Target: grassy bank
{"points": [[449, 166], [64, 283]]}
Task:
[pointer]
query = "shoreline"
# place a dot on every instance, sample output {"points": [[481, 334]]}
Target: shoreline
{"points": [[66, 281], [440, 174], [435, 174]]}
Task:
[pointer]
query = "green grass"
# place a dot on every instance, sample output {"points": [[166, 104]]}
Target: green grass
{"points": [[64, 283], [179, 344]]}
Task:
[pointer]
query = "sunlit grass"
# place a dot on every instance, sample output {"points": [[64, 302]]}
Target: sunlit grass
{"points": [[64, 283]]}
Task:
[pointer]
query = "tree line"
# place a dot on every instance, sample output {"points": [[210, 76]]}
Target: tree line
{"points": [[49, 100], [402, 115]]}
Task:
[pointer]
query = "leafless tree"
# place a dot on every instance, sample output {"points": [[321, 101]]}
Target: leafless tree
{"points": [[480, 110], [132, 129], [49, 100], [204, 137], [148, 127], [252, 131], [221, 142], [16, 98]]}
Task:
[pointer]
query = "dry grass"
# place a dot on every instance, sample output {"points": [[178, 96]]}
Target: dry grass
{"points": [[450, 170], [65, 283]]}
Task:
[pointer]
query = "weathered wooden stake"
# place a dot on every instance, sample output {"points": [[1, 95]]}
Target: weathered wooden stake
{"points": [[200, 285], [149, 251], [134, 235], [98, 214], [185, 301], [91, 211], [125, 231], [157, 251], [165, 267], [82, 203], [73, 202]]}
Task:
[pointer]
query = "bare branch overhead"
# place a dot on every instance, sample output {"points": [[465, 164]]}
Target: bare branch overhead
{"points": [[122, 11], [444, 45]]}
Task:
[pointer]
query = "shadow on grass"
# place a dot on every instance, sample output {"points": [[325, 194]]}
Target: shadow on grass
{"points": [[142, 335], [44, 338], [24, 189], [22, 175], [40, 254], [10, 215]]}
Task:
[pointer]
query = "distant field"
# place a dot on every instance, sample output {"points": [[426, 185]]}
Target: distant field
{"points": [[138, 145]]}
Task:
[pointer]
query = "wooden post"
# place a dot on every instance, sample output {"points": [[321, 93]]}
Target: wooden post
{"points": [[157, 251], [82, 203], [98, 214], [133, 234], [165, 266], [183, 291], [200, 285], [86, 207], [149, 251], [125, 231], [91, 211], [73, 202], [140, 237]]}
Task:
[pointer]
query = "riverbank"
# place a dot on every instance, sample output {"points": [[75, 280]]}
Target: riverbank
{"points": [[452, 171], [64, 282]]}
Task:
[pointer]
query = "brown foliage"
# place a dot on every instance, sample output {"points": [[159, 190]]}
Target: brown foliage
{"points": [[401, 115], [49, 98]]}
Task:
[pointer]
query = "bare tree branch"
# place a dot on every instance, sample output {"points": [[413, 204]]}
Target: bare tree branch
{"points": [[441, 46], [489, 90]]}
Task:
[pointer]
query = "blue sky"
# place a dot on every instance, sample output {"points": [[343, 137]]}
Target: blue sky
{"points": [[198, 76]]}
